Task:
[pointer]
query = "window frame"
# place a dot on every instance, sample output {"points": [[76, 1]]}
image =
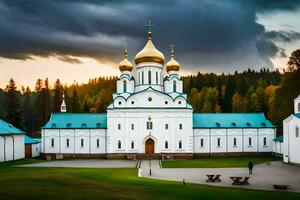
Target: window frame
{"points": [[149, 77], [218, 142]]}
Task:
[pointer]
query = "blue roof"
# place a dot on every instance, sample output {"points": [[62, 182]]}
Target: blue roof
{"points": [[297, 115], [279, 139], [231, 120], [77, 120], [29, 140], [8, 129]]}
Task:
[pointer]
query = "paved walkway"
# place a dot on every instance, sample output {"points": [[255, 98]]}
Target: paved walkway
{"points": [[86, 164], [263, 177]]}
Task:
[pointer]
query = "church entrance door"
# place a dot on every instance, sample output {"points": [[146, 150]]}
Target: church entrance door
{"points": [[149, 146]]}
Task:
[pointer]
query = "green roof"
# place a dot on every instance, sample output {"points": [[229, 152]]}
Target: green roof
{"points": [[29, 140], [77, 121], [8, 129], [231, 120], [297, 115], [279, 139]]}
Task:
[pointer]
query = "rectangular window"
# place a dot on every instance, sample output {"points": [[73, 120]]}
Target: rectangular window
{"points": [[180, 126], [149, 126], [82, 143], [166, 145], [132, 126], [156, 77], [119, 144], [119, 126], [201, 142], [52, 142], [142, 78], [166, 126], [180, 144], [265, 141], [234, 142], [98, 143], [250, 141], [68, 143], [218, 142], [132, 145], [297, 132]]}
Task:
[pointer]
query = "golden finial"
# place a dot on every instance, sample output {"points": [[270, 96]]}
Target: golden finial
{"points": [[125, 50], [172, 49]]}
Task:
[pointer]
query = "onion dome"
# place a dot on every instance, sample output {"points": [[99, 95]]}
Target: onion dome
{"points": [[125, 65], [149, 53], [172, 65]]}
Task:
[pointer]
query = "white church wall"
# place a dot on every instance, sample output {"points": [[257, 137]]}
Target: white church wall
{"points": [[69, 141], [235, 140], [159, 134], [14, 148], [36, 149], [218, 140], [291, 144], [201, 134], [268, 135]]}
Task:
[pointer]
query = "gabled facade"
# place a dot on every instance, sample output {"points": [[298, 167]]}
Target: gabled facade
{"points": [[11, 142], [291, 135]]}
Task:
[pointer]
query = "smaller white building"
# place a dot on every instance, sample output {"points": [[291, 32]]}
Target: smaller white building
{"points": [[11, 142], [291, 135], [278, 146], [32, 147]]}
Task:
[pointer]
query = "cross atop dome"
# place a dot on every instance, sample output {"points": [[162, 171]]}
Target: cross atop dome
{"points": [[149, 25]]}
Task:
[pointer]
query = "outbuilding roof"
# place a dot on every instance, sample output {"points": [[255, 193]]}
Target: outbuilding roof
{"points": [[297, 115], [29, 140], [279, 139], [231, 120], [8, 129], [76, 121]]}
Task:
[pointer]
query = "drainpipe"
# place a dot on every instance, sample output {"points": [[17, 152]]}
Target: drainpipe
{"points": [[4, 147]]}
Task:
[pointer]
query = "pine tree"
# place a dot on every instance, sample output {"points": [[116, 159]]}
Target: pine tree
{"points": [[27, 110], [75, 106], [13, 112], [58, 96]]}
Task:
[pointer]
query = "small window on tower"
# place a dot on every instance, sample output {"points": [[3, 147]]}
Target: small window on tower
{"points": [[180, 144], [119, 102], [132, 144], [132, 126], [166, 126], [119, 126], [166, 145], [180, 126], [149, 99], [124, 86], [166, 102], [149, 77], [297, 132]]}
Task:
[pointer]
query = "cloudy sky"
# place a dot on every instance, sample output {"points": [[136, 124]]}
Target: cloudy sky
{"points": [[77, 40]]}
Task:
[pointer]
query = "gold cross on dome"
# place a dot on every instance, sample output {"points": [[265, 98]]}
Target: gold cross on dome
{"points": [[125, 50], [149, 25], [172, 47]]}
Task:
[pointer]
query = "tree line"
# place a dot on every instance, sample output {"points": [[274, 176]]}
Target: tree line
{"points": [[270, 92]]}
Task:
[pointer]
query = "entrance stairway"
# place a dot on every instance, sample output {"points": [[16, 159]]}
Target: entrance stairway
{"points": [[155, 156]]}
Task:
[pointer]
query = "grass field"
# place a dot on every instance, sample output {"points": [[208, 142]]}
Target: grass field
{"points": [[220, 162], [74, 183]]}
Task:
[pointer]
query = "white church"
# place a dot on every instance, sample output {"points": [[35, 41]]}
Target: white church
{"points": [[150, 116]]}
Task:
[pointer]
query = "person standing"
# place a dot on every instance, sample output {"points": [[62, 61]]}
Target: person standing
{"points": [[250, 166]]}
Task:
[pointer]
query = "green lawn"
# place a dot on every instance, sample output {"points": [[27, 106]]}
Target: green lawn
{"points": [[74, 183], [220, 162]]}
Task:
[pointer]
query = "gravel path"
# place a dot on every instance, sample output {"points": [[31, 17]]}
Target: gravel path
{"points": [[263, 177]]}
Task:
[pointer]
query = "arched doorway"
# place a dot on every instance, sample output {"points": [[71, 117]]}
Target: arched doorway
{"points": [[149, 146]]}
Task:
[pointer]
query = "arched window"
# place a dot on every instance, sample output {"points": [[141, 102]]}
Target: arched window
{"points": [[201, 142], [250, 141], [265, 141], [166, 145], [297, 132], [124, 86], [98, 143], [119, 144], [132, 144], [149, 77], [156, 77], [142, 78], [174, 86], [218, 142], [82, 143], [52, 142], [234, 142], [67, 142], [180, 144]]}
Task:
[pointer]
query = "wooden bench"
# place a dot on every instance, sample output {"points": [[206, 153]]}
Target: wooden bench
{"points": [[281, 187]]}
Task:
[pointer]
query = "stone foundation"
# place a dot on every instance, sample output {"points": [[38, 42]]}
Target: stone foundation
{"points": [[66, 156]]}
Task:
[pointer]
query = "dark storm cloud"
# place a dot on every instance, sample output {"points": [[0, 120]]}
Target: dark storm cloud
{"points": [[283, 36], [216, 35]]}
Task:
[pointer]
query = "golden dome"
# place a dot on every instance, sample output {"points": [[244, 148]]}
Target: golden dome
{"points": [[172, 65], [125, 65], [149, 53]]}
